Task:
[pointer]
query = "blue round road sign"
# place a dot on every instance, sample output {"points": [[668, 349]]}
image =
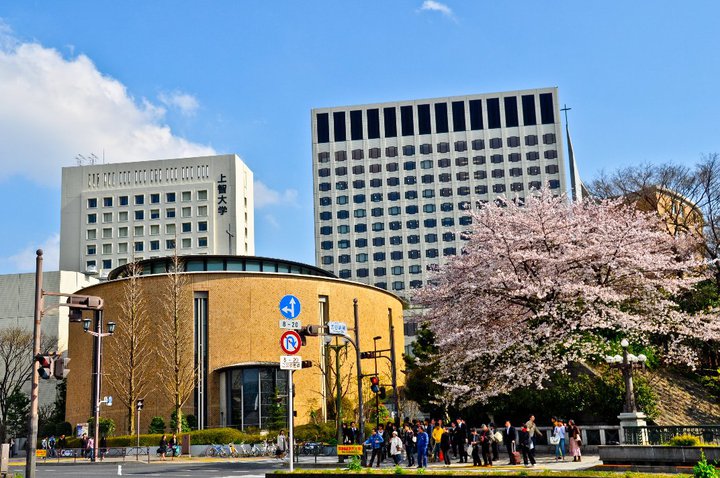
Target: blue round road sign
{"points": [[290, 306]]}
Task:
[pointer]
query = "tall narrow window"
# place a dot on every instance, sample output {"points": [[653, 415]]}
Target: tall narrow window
{"points": [[373, 123], [511, 112], [493, 112], [406, 120], [441, 118], [528, 106], [323, 128], [390, 118], [424, 123], [356, 127], [458, 114], [547, 112], [476, 121], [201, 358], [339, 125]]}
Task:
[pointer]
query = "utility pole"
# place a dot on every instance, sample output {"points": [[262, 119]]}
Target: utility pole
{"points": [[34, 377], [393, 369], [358, 361]]}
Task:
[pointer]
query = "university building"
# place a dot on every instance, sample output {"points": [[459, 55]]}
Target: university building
{"points": [[394, 182], [114, 213]]}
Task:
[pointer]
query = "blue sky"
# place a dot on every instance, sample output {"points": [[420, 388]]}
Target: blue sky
{"points": [[168, 78]]}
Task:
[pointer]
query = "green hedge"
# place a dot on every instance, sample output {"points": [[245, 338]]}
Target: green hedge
{"points": [[198, 437], [684, 440]]}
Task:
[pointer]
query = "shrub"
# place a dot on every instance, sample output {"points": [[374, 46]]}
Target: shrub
{"points": [[157, 425], [184, 427], [321, 432], [354, 464], [107, 426], [684, 440], [703, 469]]}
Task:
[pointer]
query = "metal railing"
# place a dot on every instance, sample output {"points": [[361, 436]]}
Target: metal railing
{"points": [[659, 435]]}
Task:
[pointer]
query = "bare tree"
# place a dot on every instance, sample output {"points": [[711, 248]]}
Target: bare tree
{"points": [[133, 351], [16, 364], [653, 185], [176, 340]]}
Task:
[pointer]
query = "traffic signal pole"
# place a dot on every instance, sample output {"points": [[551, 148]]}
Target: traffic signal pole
{"points": [[34, 377]]}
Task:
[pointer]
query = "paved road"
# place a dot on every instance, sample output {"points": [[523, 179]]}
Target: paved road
{"points": [[249, 468]]}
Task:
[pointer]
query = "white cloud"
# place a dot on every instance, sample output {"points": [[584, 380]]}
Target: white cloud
{"points": [[54, 108], [24, 260], [186, 103], [272, 220], [433, 6], [265, 196]]}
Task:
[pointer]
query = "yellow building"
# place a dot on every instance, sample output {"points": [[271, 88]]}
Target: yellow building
{"points": [[231, 304], [678, 212]]}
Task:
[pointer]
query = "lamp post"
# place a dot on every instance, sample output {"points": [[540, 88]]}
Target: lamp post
{"points": [[630, 416], [340, 343], [97, 349], [377, 395]]}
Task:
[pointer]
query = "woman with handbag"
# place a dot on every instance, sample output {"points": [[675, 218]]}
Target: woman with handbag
{"points": [[575, 440]]}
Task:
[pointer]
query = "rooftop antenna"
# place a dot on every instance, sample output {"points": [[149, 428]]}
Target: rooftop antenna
{"points": [[93, 159], [80, 159]]}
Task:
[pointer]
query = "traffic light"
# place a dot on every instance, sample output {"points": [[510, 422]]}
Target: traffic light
{"points": [[375, 384], [140, 404], [306, 363], [367, 355], [60, 370], [382, 393], [78, 303], [46, 366], [309, 331]]}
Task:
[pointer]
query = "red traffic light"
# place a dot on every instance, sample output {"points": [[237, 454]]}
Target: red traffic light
{"points": [[374, 380], [46, 366]]}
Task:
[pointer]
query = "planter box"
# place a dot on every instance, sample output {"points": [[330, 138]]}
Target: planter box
{"points": [[656, 455]]}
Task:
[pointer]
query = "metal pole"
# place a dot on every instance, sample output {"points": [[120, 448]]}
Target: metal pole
{"points": [[34, 377], [291, 420], [377, 394], [361, 413], [137, 430], [629, 390], [393, 369], [338, 403], [96, 391]]}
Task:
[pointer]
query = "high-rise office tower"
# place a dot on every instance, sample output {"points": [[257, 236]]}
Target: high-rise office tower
{"points": [[393, 182], [114, 213]]}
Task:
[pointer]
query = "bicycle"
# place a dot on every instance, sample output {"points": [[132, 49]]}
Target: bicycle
{"points": [[216, 451]]}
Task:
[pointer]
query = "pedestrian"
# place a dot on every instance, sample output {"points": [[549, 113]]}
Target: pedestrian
{"points": [[475, 444], [84, 444], [437, 432], [61, 445], [533, 430], [575, 437], [162, 449], [281, 447], [354, 433], [12, 447], [90, 452], [376, 442], [486, 441], [103, 447], [396, 448], [173, 446], [422, 447], [51, 446], [409, 440], [461, 436], [497, 439], [559, 434], [527, 447], [445, 446], [510, 440]]}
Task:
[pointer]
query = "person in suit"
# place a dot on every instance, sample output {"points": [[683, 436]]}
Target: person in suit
{"points": [[354, 433], [509, 439], [445, 445], [461, 435]]}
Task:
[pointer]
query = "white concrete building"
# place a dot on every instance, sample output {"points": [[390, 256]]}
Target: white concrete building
{"points": [[17, 309], [112, 213], [393, 181]]}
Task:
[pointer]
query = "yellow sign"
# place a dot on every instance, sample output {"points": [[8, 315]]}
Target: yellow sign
{"points": [[349, 449], [41, 453]]}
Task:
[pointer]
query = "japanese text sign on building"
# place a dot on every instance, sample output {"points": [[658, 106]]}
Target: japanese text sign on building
{"points": [[222, 195]]}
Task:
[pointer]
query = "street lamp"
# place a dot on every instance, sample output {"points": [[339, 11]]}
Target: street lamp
{"points": [[626, 364], [340, 343], [377, 395], [98, 334]]}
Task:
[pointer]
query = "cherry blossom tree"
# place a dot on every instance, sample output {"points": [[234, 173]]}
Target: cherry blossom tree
{"points": [[547, 283]]}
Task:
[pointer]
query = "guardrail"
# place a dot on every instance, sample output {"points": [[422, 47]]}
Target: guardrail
{"points": [[74, 454], [659, 435]]}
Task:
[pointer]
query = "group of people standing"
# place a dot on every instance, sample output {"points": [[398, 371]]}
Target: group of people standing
{"points": [[435, 440]]}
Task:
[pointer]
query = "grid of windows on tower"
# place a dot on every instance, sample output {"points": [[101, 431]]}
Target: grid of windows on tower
{"points": [[439, 117]]}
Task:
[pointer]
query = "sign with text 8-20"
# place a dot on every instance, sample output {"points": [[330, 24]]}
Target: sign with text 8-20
{"points": [[290, 362]]}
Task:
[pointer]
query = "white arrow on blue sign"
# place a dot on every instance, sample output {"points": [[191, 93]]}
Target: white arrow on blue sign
{"points": [[290, 306]]}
